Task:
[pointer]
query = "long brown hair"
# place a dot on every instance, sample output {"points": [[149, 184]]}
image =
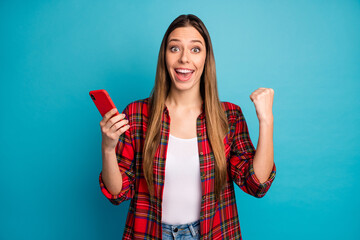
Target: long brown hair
{"points": [[216, 120]]}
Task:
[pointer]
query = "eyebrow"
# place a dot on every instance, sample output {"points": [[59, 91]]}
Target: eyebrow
{"points": [[177, 40]]}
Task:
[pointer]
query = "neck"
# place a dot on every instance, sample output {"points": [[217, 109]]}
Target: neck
{"points": [[184, 99]]}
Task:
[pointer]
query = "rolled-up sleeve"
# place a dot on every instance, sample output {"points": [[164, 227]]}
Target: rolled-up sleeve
{"points": [[241, 160], [125, 157]]}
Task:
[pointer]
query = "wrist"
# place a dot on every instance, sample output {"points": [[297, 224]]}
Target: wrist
{"points": [[267, 121], [107, 150]]}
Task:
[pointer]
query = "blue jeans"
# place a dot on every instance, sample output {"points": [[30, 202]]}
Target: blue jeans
{"points": [[186, 231]]}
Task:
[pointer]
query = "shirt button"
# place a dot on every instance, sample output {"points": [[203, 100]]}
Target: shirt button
{"points": [[199, 133], [175, 230], [201, 153]]}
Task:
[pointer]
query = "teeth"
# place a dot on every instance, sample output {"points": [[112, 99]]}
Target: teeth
{"points": [[183, 70]]}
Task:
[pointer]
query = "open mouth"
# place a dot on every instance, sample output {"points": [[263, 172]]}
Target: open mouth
{"points": [[183, 74]]}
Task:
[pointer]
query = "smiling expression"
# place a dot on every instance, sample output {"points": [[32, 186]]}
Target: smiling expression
{"points": [[185, 57]]}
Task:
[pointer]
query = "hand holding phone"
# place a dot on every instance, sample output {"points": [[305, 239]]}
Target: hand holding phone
{"points": [[113, 124]]}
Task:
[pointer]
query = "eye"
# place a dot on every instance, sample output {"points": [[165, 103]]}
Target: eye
{"points": [[196, 49], [174, 49]]}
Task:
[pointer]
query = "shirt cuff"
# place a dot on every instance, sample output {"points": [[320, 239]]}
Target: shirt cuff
{"points": [[122, 196], [259, 189]]}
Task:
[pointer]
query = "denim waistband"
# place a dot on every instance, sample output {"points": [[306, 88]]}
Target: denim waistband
{"points": [[174, 228], [180, 226]]}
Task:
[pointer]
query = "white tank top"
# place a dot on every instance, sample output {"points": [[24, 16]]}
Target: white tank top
{"points": [[181, 201]]}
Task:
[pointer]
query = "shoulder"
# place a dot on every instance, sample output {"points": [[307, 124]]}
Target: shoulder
{"points": [[137, 106], [232, 110]]}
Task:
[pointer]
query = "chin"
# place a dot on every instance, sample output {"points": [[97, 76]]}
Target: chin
{"points": [[183, 86]]}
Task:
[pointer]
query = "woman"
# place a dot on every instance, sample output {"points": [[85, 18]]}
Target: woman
{"points": [[182, 131]]}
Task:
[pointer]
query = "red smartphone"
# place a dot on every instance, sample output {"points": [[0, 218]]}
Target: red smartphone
{"points": [[102, 101]]}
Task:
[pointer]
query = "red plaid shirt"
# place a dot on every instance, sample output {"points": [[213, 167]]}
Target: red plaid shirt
{"points": [[218, 220]]}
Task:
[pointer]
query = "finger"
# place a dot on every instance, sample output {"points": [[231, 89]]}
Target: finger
{"points": [[122, 129], [109, 114], [118, 125], [253, 97], [115, 119]]}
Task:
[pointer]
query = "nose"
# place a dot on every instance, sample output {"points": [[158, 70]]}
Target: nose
{"points": [[184, 57]]}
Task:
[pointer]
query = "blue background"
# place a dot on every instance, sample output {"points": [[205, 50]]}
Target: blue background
{"points": [[52, 53]]}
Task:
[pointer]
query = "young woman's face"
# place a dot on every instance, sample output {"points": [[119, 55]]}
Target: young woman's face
{"points": [[185, 57]]}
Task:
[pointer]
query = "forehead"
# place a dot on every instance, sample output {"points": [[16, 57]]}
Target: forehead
{"points": [[186, 34]]}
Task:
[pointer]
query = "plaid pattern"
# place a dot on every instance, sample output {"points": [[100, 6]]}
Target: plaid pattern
{"points": [[218, 220]]}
